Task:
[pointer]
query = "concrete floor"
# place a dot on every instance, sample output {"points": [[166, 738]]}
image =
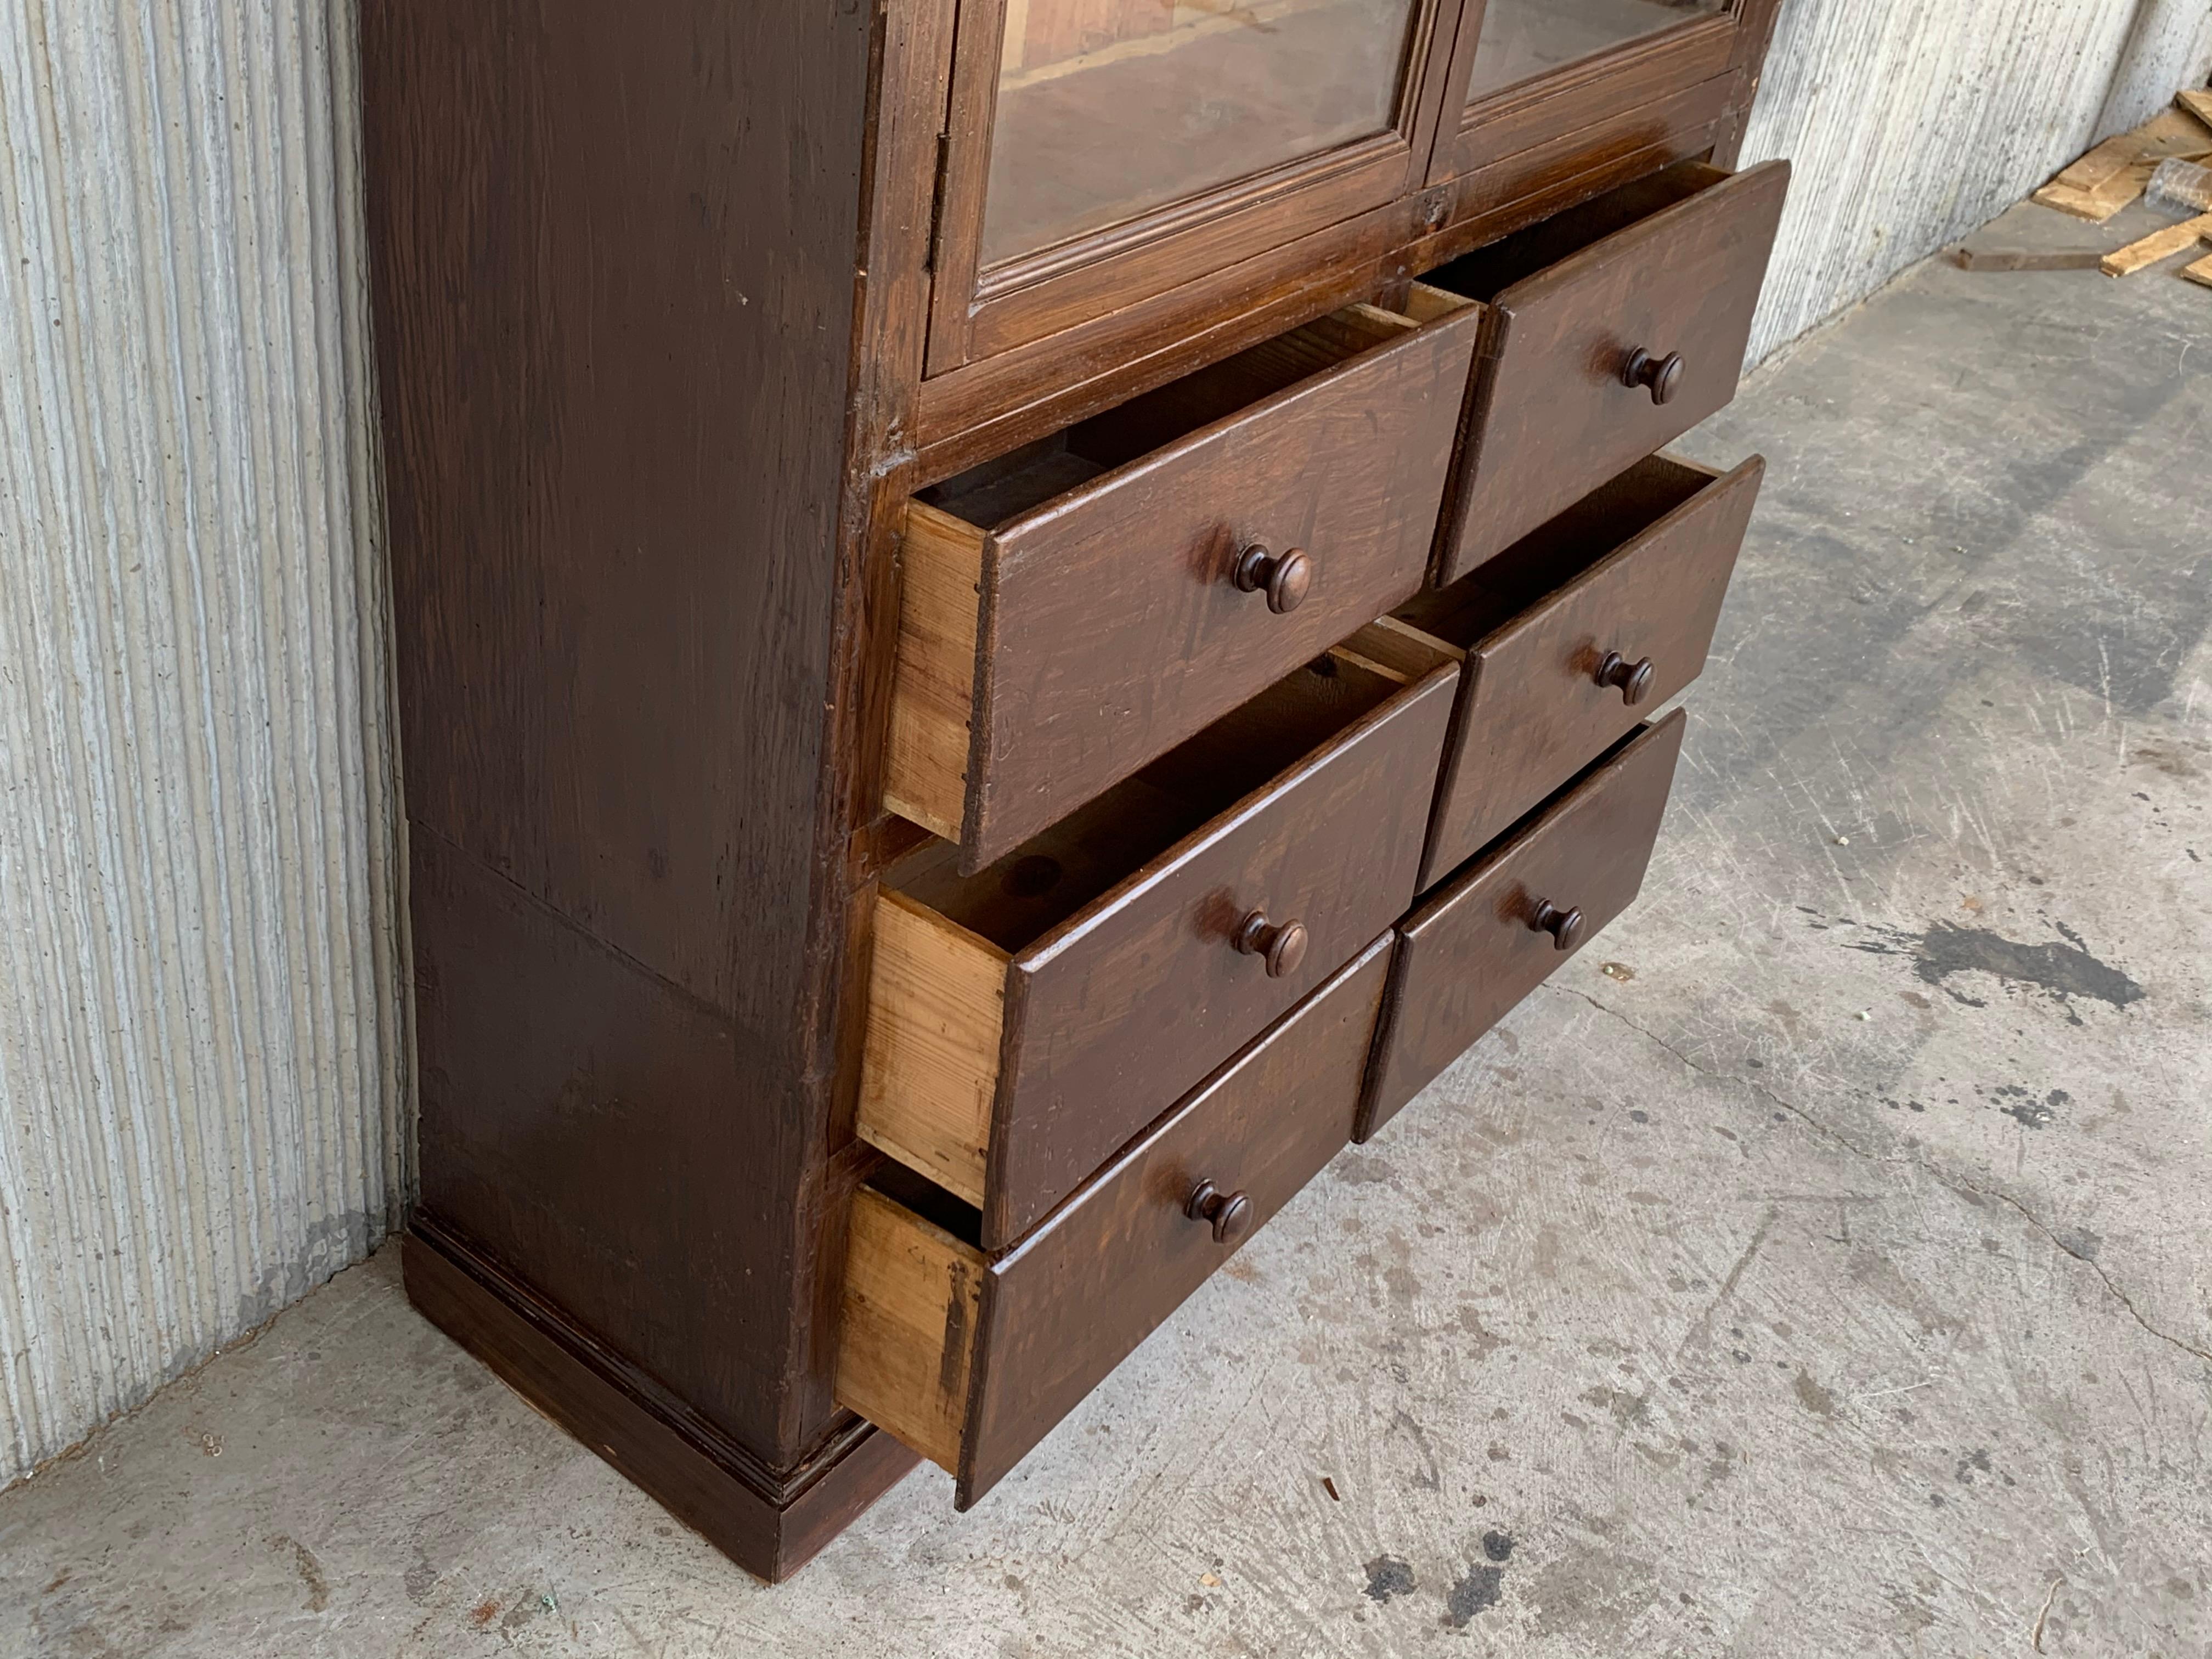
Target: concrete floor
{"points": [[1819, 1268]]}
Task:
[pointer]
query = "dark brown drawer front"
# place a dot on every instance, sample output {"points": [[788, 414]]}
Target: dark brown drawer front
{"points": [[1567, 677], [971, 1359], [1116, 1019], [1073, 1302], [1066, 1044], [1112, 624], [1475, 950], [1550, 416]]}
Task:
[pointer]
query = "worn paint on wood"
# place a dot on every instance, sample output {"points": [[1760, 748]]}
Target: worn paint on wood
{"points": [[201, 1038]]}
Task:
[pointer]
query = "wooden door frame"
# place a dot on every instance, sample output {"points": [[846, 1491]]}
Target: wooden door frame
{"points": [[975, 314], [1704, 52]]}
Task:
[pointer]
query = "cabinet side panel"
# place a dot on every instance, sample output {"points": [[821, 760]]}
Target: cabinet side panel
{"points": [[613, 254], [613, 262], [583, 1124]]}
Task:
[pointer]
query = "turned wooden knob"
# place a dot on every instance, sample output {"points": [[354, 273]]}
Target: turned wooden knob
{"points": [[1286, 579], [1566, 927], [1284, 946], [1634, 678], [1229, 1212], [1662, 374]]}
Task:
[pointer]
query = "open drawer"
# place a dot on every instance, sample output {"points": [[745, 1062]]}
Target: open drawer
{"points": [[1608, 332], [1026, 1021], [1075, 608], [1502, 926], [1572, 633], [970, 1356]]}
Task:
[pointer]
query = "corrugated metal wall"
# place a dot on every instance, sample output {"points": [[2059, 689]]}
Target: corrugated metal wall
{"points": [[201, 1045], [1910, 123], [201, 1049]]}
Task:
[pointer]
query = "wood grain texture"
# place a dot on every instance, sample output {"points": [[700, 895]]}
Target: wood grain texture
{"points": [[1641, 567], [2159, 245], [1471, 952], [913, 52], [2097, 184], [1982, 259], [1110, 937], [1398, 651], [995, 403], [663, 503], [1115, 1014], [594, 1146], [937, 997], [1077, 1298], [1671, 264], [1575, 103], [913, 1293], [1111, 631], [770, 1525], [934, 691], [614, 266]]}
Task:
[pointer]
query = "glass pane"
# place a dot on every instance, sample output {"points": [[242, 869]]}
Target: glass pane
{"points": [[1107, 108], [1523, 38]]}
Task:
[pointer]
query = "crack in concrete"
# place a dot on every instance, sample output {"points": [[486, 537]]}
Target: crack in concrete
{"points": [[1944, 1177]]}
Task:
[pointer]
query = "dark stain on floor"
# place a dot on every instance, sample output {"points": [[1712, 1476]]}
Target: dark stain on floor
{"points": [[1483, 1583], [1479, 1589], [2064, 969], [2029, 1109], [1389, 1575]]}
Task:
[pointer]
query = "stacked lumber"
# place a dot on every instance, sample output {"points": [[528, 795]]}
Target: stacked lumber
{"points": [[2117, 171]]}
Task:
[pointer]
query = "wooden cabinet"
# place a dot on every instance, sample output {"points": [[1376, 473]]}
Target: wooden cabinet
{"points": [[1014, 616]]}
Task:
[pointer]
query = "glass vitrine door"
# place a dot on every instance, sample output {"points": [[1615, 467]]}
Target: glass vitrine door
{"points": [[1627, 83], [1101, 149], [1521, 39], [1109, 109]]}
